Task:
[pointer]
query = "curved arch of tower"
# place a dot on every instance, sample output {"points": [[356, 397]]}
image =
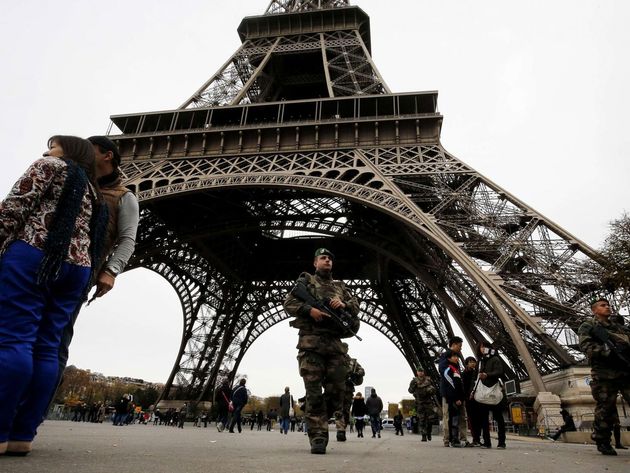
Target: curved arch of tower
{"points": [[297, 142]]}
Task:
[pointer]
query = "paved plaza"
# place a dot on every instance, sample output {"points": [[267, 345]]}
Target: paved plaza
{"points": [[66, 447]]}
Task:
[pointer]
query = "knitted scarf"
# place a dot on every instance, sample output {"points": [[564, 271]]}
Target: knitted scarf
{"points": [[63, 223]]}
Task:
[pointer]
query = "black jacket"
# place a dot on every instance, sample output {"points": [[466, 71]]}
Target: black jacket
{"points": [[358, 407], [451, 385], [493, 367], [374, 405], [239, 396]]}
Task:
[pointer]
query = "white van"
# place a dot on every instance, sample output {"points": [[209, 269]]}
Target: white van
{"points": [[388, 423]]}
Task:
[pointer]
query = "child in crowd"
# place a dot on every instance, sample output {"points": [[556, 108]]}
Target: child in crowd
{"points": [[452, 389]]}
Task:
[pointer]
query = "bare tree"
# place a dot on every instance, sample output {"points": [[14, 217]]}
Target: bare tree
{"points": [[615, 273]]}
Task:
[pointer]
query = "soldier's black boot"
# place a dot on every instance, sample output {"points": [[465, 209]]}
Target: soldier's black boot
{"points": [[341, 436], [424, 438], [620, 447], [318, 445], [606, 449]]}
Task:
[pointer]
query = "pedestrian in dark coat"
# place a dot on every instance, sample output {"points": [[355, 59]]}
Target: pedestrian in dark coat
{"points": [[359, 411], [374, 406], [239, 400], [223, 398], [490, 373]]}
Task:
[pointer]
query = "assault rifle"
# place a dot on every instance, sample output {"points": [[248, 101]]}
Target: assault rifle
{"points": [[601, 334], [340, 316]]}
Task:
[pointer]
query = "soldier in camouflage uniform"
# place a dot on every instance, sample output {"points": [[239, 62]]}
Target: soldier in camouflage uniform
{"points": [[610, 369], [354, 377], [424, 392], [321, 355]]}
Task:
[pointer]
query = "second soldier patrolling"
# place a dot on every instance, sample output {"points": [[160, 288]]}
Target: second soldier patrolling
{"points": [[607, 346], [321, 355], [424, 393]]}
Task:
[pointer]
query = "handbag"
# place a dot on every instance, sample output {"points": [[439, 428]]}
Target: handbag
{"points": [[490, 396], [229, 403], [291, 409]]}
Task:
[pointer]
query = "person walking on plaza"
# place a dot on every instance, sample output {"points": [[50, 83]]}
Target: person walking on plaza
{"points": [[183, 413], [286, 408], [607, 346], [374, 406], [52, 228], [223, 397], [239, 400], [455, 345], [359, 411], [354, 377], [321, 353], [424, 393], [260, 418], [398, 423], [490, 373], [121, 410], [122, 225]]}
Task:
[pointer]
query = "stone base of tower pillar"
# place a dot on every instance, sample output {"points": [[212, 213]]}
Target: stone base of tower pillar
{"points": [[547, 407], [567, 389]]}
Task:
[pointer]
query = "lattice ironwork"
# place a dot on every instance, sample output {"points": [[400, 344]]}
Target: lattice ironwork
{"points": [[292, 6], [422, 238], [295, 60]]}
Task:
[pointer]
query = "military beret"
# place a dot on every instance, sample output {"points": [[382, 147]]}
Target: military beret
{"points": [[323, 251], [597, 298]]}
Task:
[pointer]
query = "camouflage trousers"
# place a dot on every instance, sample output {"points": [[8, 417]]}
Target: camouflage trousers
{"points": [[605, 395], [426, 417], [324, 379]]}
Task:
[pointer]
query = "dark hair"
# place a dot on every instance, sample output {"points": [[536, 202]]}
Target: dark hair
{"points": [[80, 151], [485, 344], [242, 382], [104, 145], [455, 340], [450, 353], [469, 359]]}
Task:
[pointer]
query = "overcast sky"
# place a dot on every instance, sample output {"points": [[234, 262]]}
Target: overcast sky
{"points": [[534, 94]]}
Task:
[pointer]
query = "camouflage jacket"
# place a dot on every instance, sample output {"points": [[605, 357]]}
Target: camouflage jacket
{"points": [[312, 332], [422, 389], [603, 360]]}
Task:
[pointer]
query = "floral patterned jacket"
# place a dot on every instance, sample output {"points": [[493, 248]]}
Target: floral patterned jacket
{"points": [[26, 213]]}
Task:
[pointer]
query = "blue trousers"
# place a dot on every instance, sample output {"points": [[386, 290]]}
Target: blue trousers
{"points": [[284, 424], [32, 319]]}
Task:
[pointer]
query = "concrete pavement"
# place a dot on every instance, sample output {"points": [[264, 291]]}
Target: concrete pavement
{"points": [[68, 447]]}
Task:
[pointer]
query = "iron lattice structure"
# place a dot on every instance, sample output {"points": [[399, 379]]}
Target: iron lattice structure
{"points": [[297, 142]]}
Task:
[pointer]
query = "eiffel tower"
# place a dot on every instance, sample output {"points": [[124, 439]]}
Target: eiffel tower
{"points": [[297, 142]]}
